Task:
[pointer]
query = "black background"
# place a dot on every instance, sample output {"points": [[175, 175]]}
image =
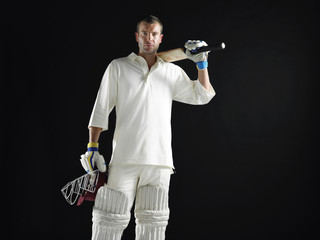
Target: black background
{"points": [[246, 162]]}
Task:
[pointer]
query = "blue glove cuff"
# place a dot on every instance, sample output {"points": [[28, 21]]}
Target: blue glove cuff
{"points": [[202, 65], [91, 149]]}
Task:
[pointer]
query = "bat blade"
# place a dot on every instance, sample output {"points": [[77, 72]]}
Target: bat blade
{"points": [[173, 55], [178, 54]]}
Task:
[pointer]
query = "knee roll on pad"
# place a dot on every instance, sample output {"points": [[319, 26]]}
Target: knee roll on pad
{"points": [[110, 214], [152, 205], [151, 212]]}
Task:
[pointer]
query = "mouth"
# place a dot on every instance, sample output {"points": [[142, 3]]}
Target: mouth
{"points": [[149, 45]]}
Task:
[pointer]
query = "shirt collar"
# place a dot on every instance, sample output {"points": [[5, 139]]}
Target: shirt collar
{"points": [[133, 57]]}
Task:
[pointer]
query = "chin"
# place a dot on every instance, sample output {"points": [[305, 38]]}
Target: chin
{"points": [[150, 51]]}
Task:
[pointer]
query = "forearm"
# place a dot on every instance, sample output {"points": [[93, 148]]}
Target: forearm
{"points": [[203, 78], [94, 134]]}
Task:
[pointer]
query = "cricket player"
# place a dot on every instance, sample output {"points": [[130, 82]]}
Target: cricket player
{"points": [[141, 87]]}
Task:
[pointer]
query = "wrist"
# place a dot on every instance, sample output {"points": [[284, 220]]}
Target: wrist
{"points": [[92, 146], [202, 65]]}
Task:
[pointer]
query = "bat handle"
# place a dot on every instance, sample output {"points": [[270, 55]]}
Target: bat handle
{"points": [[211, 47]]}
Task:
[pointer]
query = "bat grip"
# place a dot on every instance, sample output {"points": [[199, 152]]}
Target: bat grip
{"points": [[211, 47]]}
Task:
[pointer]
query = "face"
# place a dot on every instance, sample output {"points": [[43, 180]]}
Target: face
{"points": [[149, 37]]}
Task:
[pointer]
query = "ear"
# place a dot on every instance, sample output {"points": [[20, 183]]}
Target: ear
{"points": [[137, 35], [161, 36]]}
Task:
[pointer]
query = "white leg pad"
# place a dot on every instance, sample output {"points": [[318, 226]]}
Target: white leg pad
{"points": [[110, 215], [151, 212]]}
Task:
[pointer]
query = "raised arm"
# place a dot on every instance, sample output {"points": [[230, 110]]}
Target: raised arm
{"points": [[200, 59], [203, 78]]}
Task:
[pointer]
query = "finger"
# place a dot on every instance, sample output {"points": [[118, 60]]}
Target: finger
{"points": [[84, 163], [90, 160], [101, 164]]}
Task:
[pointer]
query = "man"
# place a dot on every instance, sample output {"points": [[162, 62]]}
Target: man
{"points": [[142, 88]]}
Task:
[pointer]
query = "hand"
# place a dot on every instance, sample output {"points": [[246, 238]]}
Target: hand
{"points": [[92, 159], [201, 58], [192, 46]]}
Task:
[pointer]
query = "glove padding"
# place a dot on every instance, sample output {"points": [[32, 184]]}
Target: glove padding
{"points": [[92, 159], [192, 46]]}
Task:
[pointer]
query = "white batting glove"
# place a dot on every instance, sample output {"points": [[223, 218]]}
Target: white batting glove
{"points": [[92, 159], [201, 58]]}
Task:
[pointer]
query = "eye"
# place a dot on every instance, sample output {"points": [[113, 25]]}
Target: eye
{"points": [[144, 33], [155, 34]]}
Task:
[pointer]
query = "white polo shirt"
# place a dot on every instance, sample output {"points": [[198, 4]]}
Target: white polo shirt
{"points": [[143, 101]]}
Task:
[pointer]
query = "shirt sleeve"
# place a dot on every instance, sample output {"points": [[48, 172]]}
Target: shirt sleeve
{"points": [[106, 99], [191, 92]]}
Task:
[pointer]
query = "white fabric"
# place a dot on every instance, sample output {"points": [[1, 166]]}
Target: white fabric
{"points": [[111, 212], [152, 213], [143, 101], [110, 215], [128, 178]]}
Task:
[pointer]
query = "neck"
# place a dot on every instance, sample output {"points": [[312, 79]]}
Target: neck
{"points": [[150, 58]]}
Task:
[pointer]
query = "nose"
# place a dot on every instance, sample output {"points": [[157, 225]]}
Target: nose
{"points": [[150, 37]]}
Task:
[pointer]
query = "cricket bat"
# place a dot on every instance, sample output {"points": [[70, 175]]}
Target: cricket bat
{"points": [[178, 54]]}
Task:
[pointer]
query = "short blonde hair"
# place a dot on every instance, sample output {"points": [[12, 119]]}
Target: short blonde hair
{"points": [[150, 19]]}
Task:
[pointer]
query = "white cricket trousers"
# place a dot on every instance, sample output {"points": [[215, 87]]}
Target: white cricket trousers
{"points": [[149, 186]]}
